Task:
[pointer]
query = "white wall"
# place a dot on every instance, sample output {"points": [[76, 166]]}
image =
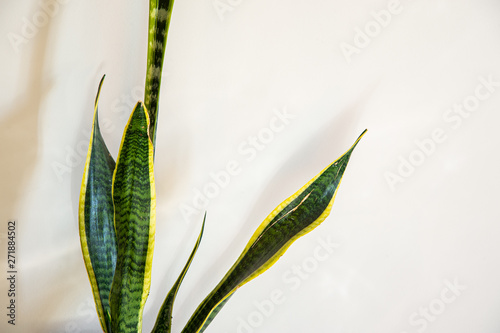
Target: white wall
{"points": [[413, 234]]}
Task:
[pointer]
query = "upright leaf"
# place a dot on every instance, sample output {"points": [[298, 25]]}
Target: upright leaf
{"points": [[293, 218], [95, 214], [164, 320], [134, 202], [159, 22]]}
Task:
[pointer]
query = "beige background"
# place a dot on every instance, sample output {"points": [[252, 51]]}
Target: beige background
{"points": [[412, 241]]}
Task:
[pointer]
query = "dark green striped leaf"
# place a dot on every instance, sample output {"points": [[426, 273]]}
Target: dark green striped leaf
{"points": [[164, 320], [97, 233], [134, 202], [159, 21], [293, 218], [214, 313]]}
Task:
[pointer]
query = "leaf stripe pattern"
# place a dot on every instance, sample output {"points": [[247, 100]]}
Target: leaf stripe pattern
{"points": [[160, 12], [296, 216], [96, 226], [134, 201]]}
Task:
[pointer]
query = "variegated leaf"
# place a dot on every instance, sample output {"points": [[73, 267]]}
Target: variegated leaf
{"points": [[160, 12], [135, 203], [97, 233], [293, 218], [164, 320]]}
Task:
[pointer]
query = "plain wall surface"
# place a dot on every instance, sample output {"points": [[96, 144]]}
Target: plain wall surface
{"points": [[275, 91]]}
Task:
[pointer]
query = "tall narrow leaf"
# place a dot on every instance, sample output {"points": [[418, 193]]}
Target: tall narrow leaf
{"points": [[164, 320], [134, 202], [95, 215], [293, 218], [159, 22]]}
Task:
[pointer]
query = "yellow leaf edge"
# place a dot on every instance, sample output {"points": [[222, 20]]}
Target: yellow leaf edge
{"points": [[285, 247], [81, 219], [152, 220]]}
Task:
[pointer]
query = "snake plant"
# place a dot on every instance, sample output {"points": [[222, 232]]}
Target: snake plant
{"points": [[117, 213]]}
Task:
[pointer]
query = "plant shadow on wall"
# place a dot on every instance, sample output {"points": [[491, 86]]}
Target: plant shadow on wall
{"points": [[117, 214]]}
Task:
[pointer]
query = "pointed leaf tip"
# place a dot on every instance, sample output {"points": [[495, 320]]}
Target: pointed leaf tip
{"points": [[164, 319], [135, 202], [96, 227], [293, 218]]}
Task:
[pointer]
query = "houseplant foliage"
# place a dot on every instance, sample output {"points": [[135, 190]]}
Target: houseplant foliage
{"points": [[117, 214]]}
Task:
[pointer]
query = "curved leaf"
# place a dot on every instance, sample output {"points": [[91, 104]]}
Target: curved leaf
{"points": [[164, 320], [97, 233], [134, 202], [160, 12], [293, 218], [214, 313]]}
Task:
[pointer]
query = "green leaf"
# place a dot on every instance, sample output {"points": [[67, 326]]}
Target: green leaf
{"points": [[214, 313], [293, 218], [160, 12], [134, 201], [95, 214], [164, 320]]}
